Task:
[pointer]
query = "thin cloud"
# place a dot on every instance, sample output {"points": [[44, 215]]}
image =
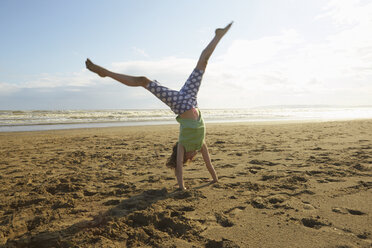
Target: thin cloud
{"points": [[46, 81], [8, 89], [246, 53], [140, 52], [347, 12]]}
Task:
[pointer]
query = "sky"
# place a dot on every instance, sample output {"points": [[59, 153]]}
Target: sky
{"points": [[287, 52]]}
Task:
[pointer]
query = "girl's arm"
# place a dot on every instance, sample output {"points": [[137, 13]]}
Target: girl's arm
{"points": [[208, 163], [179, 167]]}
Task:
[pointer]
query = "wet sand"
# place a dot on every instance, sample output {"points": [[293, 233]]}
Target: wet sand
{"points": [[281, 185]]}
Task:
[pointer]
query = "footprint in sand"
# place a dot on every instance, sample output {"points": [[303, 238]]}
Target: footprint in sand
{"points": [[258, 202], [307, 206], [152, 179], [223, 220], [227, 166], [189, 195], [339, 210], [312, 223], [347, 211], [235, 210], [355, 212], [276, 199], [171, 222], [187, 209], [270, 202], [111, 202], [220, 244], [262, 162]]}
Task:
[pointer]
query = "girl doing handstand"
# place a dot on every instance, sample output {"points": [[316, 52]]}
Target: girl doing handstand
{"points": [[184, 104]]}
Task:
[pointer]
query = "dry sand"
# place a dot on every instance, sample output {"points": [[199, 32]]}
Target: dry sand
{"points": [[282, 185]]}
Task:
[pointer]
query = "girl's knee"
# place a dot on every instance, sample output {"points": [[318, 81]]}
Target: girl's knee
{"points": [[202, 64], [203, 60], [144, 81]]}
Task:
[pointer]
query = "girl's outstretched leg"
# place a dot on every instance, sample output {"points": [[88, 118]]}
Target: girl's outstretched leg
{"points": [[207, 52], [122, 78]]}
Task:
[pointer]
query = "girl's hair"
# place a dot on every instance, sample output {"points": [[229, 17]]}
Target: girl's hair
{"points": [[172, 160]]}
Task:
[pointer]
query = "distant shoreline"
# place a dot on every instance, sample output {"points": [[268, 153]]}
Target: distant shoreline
{"points": [[38, 120], [87, 125]]}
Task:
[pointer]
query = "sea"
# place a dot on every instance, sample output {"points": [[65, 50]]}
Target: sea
{"points": [[38, 120]]}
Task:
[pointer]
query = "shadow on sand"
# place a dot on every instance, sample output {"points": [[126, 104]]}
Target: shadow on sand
{"points": [[121, 223]]}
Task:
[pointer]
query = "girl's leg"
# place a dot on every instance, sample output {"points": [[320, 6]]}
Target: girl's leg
{"points": [[207, 52], [122, 78]]}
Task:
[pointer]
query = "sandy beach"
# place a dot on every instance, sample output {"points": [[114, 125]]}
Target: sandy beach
{"points": [[281, 185]]}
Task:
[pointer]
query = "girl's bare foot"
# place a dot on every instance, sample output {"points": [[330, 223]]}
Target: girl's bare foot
{"points": [[95, 68], [222, 31]]}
